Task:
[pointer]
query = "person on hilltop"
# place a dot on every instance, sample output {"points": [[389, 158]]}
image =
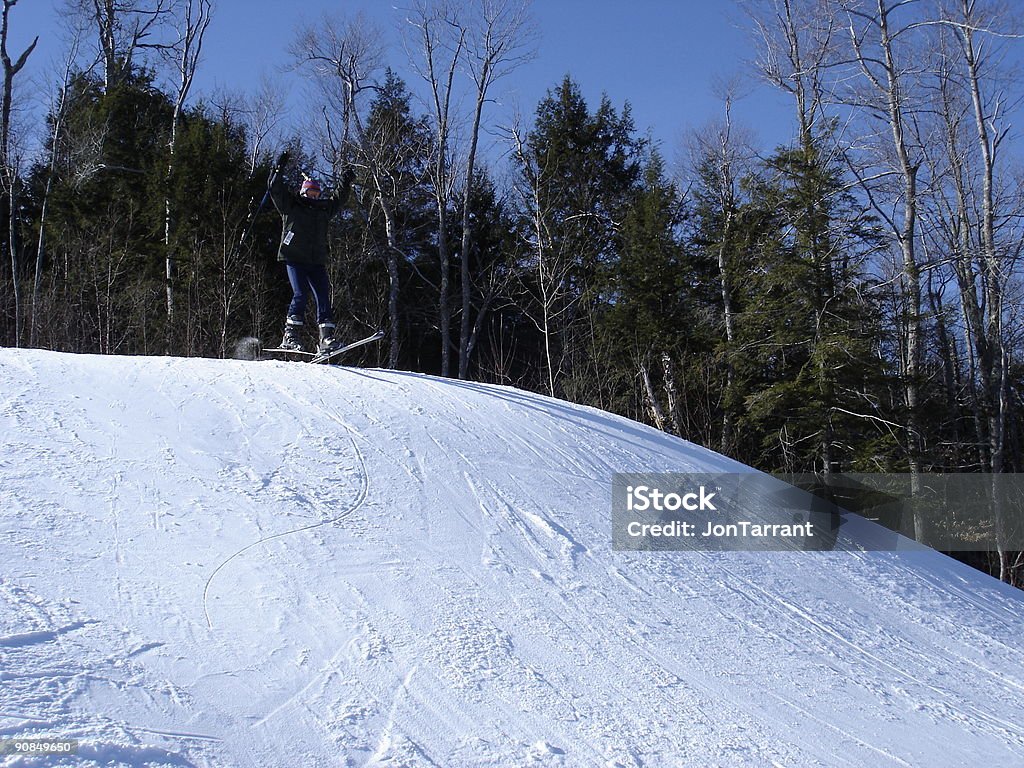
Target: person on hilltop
{"points": [[305, 217]]}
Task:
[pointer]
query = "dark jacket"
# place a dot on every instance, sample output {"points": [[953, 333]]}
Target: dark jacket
{"points": [[304, 222]]}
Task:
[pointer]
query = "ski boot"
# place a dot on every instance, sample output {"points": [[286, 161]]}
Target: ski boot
{"points": [[329, 340], [292, 329]]}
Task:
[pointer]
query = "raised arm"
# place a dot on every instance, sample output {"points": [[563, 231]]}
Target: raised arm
{"points": [[278, 193], [340, 194]]}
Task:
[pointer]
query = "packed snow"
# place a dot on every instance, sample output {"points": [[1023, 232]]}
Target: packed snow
{"points": [[227, 563]]}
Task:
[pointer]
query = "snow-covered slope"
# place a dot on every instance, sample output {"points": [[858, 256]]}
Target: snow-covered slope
{"points": [[222, 563]]}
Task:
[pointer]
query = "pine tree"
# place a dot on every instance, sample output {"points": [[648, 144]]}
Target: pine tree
{"points": [[104, 218], [656, 323], [808, 337], [394, 150], [578, 173], [219, 281]]}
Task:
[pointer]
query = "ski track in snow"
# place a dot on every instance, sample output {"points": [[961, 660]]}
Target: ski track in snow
{"points": [[328, 520], [212, 563]]}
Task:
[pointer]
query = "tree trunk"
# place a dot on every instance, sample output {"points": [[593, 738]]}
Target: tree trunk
{"points": [[671, 391], [168, 255], [425, 18], [197, 15], [725, 285], [11, 234], [992, 279], [444, 300], [58, 123], [911, 368], [467, 232], [652, 399], [9, 172]]}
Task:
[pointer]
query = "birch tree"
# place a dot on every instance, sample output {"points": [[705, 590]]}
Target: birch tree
{"points": [[551, 267], [797, 39], [720, 155], [263, 118], [973, 105], [890, 68], [974, 37]]}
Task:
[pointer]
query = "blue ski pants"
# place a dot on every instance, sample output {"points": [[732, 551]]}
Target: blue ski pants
{"points": [[306, 279]]}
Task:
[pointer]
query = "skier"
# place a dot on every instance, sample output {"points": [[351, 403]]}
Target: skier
{"points": [[305, 217]]}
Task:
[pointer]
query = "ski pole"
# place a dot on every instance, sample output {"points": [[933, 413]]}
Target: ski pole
{"points": [[252, 220]]}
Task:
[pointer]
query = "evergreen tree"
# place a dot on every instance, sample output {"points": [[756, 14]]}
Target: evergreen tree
{"points": [[104, 218], [222, 282], [395, 152], [808, 336], [105, 275], [657, 322], [578, 173]]}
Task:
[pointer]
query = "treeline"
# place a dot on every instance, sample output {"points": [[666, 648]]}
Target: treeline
{"points": [[847, 302]]}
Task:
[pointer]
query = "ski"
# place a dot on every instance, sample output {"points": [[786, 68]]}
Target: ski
{"points": [[327, 357], [294, 355]]}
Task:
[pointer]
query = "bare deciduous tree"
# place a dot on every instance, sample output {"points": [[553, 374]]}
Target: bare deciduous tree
{"points": [[58, 113], [11, 69], [890, 69], [123, 28], [973, 108], [500, 38], [797, 43], [344, 58], [440, 41], [194, 18], [263, 118], [721, 153]]}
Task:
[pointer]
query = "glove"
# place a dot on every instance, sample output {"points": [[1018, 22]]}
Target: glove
{"points": [[282, 161], [348, 176]]}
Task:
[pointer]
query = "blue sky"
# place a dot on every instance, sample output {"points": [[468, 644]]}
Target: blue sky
{"points": [[663, 56]]}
